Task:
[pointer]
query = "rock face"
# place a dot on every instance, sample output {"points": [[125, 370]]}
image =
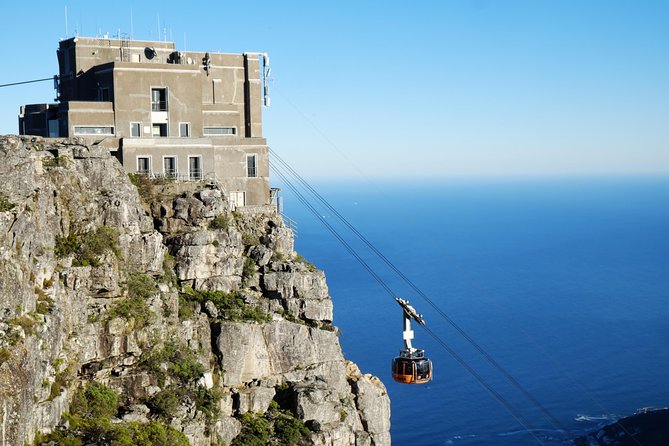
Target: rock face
{"points": [[646, 427], [100, 283]]}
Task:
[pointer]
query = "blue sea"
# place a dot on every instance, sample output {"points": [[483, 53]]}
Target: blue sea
{"points": [[564, 282]]}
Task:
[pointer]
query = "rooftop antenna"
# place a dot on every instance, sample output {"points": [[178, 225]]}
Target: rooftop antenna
{"points": [[132, 27], [266, 73], [66, 33]]}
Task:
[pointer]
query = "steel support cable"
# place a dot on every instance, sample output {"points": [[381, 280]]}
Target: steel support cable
{"points": [[496, 395], [334, 232], [27, 82], [554, 421]]}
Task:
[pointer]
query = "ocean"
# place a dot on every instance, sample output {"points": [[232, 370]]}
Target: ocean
{"points": [[564, 282]]}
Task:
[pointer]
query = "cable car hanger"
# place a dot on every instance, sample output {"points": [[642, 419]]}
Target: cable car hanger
{"points": [[411, 366]]}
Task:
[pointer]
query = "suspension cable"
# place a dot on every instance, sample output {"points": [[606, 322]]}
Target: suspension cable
{"points": [[496, 395], [556, 423], [29, 82]]}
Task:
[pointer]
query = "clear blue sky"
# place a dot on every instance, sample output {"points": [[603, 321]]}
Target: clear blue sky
{"points": [[410, 89]]}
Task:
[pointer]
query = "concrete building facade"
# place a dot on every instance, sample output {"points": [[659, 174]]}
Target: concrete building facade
{"points": [[180, 114]]}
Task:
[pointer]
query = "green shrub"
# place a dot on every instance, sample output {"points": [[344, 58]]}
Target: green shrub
{"points": [[145, 187], [67, 245], [141, 285], [249, 268], [221, 221], [231, 306], [206, 401], [29, 324], [89, 246], [256, 431], [186, 308], [276, 426], [5, 354], [44, 304], [132, 308], [310, 266], [95, 401], [249, 239], [169, 275], [175, 360], [89, 423], [5, 204], [165, 402], [57, 161]]}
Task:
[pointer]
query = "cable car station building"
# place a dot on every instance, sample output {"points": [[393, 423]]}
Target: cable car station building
{"points": [[162, 112]]}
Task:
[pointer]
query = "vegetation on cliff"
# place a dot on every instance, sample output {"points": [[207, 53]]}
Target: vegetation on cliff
{"points": [[158, 316], [91, 421]]}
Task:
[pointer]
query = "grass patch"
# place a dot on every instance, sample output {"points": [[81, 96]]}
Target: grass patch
{"points": [[26, 322], [249, 239], [57, 161], [5, 204], [44, 304], [145, 187], [5, 354], [89, 246], [62, 381], [310, 266], [231, 306]]}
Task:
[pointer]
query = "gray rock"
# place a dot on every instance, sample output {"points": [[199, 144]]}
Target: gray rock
{"points": [[210, 309], [52, 188]]}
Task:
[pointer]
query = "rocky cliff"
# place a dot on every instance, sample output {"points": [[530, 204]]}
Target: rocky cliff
{"points": [[190, 319]]}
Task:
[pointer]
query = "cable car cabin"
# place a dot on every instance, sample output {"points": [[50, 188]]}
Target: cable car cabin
{"points": [[412, 368]]}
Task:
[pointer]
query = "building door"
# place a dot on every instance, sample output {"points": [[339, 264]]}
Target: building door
{"points": [[237, 199]]}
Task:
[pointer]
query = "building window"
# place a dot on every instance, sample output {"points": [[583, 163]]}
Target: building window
{"points": [[93, 130], [54, 128], [144, 165], [159, 130], [213, 131], [103, 94], [159, 99], [170, 166], [135, 129], [251, 165], [195, 167], [184, 129]]}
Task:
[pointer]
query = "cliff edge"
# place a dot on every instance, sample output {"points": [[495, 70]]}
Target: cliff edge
{"points": [[156, 302]]}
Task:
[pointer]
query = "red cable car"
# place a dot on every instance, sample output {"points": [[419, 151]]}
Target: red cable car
{"points": [[411, 366]]}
